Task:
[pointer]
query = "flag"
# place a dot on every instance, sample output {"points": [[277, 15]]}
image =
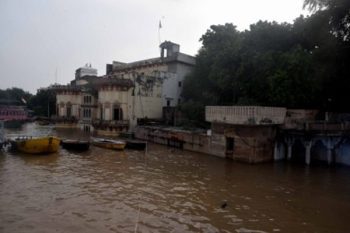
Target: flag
{"points": [[160, 24]]}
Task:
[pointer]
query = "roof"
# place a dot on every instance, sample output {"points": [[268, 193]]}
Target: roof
{"points": [[177, 57]]}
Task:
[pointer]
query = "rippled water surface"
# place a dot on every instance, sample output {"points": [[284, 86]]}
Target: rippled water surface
{"points": [[165, 190]]}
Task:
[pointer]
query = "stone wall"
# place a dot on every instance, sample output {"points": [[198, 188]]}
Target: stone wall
{"points": [[187, 140], [251, 144], [295, 118]]}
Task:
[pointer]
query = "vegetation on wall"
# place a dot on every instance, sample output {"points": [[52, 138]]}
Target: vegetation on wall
{"points": [[299, 65]]}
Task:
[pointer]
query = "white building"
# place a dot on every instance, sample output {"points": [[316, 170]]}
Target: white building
{"points": [[86, 70], [128, 92]]}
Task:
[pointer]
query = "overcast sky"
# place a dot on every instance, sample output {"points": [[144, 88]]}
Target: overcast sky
{"points": [[38, 37]]}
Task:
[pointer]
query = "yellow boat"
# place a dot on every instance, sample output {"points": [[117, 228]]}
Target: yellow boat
{"points": [[108, 143], [39, 145]]}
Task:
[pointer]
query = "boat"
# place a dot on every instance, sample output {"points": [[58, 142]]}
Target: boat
{"points": [[109, 143], [135, 144], [128, 135], [76, 145], [36, 145]]}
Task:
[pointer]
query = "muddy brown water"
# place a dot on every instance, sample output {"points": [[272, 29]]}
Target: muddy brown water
{"points": [[165, 190]]}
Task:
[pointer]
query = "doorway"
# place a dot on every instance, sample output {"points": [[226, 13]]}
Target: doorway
{"points": [[230, 146]]}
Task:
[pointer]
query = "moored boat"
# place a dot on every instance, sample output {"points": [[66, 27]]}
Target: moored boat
{"points": [[37, 145], [76, 145], [13, 124], [109, 143], [135, 144]]}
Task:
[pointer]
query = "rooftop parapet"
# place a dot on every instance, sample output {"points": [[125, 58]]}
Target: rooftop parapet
{"points": [[245, 115], [64, 88], [113, 82]]}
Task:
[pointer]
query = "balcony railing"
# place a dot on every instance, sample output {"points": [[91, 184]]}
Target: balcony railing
{"points": [[105, 123], [245, 115]]}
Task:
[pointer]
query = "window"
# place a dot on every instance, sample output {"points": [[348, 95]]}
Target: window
{"points": [[69, 111], [180, 84], [86, 128], [86, 112], [168, 103], [87, 99]]}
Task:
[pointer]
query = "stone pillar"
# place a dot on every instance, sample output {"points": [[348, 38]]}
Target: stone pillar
{"points": [[330, 143], [308, 145], [275, 153], [278, 151], [329, 152], [289, 154], [289, 141]]}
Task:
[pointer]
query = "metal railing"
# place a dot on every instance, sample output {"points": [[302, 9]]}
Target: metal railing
{"points": [[251, 115]]}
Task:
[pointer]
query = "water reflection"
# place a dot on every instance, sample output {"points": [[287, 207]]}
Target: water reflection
{"points": [[166, 190]]}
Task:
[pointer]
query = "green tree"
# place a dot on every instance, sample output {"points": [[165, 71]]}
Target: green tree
{"points": [[332, 17], [338, 13], [15, 95], [213, 81], [43, 103]]}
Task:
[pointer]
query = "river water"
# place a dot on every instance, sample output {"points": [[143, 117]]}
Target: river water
{"points": [[165, 190]]}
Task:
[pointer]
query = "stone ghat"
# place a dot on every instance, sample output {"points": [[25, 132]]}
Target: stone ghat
{"points": [[245, 145]]}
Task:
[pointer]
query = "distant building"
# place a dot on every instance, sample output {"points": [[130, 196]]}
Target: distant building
{"points": [[86, 70], [128, 92], [13, 113]]}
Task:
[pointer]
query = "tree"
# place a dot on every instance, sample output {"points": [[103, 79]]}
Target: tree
{"points": [[213, 81], [333, 59], [339, 15], [15, 95], [43, 103]]}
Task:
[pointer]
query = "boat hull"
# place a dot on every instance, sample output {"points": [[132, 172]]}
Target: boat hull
{"points": [[13, 124], [136, 145], [109, 144], [42, 145], [75, 145]]}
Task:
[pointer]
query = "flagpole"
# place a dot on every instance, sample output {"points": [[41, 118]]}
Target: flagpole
{"points": [[159, 27]]}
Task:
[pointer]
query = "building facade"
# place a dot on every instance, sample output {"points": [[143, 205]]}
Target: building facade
{"points": [[127, 93]]}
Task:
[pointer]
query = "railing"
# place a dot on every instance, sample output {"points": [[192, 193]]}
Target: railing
{"points": [[245, 115], [327, 126], [64, 119], [110, 123]]}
